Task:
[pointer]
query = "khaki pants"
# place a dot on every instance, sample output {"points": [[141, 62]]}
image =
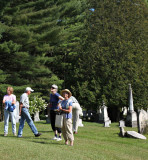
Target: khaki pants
{"points": [[67, 129], [76, 111]]}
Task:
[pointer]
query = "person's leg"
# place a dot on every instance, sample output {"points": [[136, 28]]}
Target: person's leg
{"points": [[6, 122], [29, 121], [13, 122], [59, 131], [64, 131], [21, 126], [52, 120], [69, 133]]}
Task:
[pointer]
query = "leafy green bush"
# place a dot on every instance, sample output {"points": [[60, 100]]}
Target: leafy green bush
{"points": [[37, 105]]}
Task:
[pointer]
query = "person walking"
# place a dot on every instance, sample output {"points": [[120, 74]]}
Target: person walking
{"points": [[9, 102], [66, 109], [53, 107], [25, 115], [76, 112]]}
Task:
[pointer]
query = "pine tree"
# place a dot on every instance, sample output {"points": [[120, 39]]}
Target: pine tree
{"points": [[114, 54]]}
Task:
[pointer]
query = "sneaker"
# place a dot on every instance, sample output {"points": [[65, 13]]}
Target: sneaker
{"points": [[54, 138], [75, 132], [59, 139], [19, 136], [5, 134], [37, 135]]}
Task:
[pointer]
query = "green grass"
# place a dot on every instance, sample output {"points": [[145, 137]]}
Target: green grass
{"points": [[93, 142]]}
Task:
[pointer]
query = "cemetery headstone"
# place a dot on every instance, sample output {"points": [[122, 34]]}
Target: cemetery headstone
{"points": [[103, 116], [142, 121], [131, 134], [36, 117], [121, 123], [17, 112], [80, 123]]}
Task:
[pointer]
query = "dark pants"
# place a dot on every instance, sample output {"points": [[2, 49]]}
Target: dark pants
{"points": [[52, 119]]}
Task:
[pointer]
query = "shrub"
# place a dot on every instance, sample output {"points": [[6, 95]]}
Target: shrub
{"points": [[37, 105]]}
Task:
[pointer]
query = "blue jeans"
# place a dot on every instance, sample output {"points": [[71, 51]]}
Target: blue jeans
{"points": [[6, 121], [25, 115]]}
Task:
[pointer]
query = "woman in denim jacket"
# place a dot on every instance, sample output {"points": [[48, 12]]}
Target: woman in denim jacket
{"points": [[9, 102]]}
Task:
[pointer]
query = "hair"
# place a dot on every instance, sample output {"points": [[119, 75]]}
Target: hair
{"points": [[10, 89]]}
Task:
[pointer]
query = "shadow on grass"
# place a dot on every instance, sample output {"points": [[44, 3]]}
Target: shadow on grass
{"points": [[49, 142], [45, 131]]}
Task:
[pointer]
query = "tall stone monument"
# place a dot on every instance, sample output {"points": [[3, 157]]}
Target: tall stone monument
{"points": [[131, 119]]}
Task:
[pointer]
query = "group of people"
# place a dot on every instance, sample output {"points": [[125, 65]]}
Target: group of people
{"points": [[64, 102]]}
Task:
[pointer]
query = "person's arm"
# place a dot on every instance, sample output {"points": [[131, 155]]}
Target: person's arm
{"points": [[14, 100], [3, 104], [4, 100], [66, 110], [61, 98], [21, 105]]}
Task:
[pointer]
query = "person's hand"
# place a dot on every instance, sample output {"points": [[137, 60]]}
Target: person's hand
{"points": [[20, 114], [60, 108]]}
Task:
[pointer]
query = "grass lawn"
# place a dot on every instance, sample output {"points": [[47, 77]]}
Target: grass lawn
{"points": [[93, 142]]}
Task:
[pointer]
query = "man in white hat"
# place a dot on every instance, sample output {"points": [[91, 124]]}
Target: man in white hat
{"points": [[25, 115]]}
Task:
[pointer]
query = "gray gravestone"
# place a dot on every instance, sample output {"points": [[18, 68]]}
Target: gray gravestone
{"points": [[142, 120], [103, 115], [134, 134], [121, 123], [122, 132]]}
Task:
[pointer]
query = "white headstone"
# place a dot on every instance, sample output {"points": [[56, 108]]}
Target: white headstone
{"points": [[124, 111], [121, 123], [36, 117], [103, 115], [134, 134], [17, 111]]}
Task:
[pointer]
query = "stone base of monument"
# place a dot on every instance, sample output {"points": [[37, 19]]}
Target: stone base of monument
{"points": [[107, 123], [80, 123], [36, 117], [131, 120], [131, 134]]}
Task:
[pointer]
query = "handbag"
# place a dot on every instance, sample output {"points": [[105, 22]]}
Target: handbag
{"points": [[59, 121]]}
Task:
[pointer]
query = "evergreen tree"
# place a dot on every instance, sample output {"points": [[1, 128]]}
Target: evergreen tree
{"points": [[114, 54]]}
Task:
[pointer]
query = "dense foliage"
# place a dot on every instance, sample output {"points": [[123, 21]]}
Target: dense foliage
{"points": [[93, 47]]}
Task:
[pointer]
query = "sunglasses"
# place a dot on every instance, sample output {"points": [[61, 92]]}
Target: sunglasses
{"points": [[52, 88]]}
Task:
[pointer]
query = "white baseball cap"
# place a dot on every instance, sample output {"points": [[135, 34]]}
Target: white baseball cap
{"points": [[29, 89], [54, 86]]}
